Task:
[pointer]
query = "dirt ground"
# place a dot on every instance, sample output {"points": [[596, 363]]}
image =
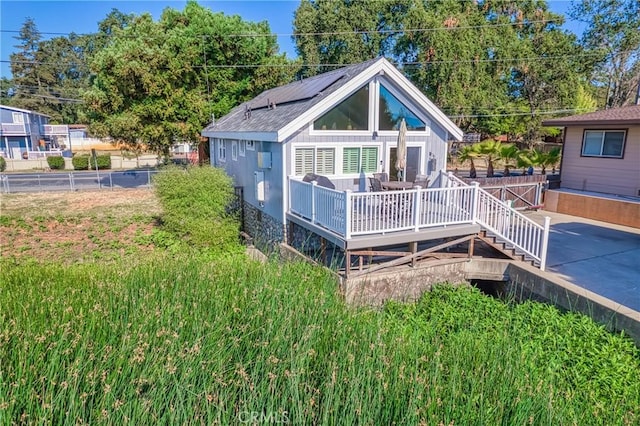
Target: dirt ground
{"points": [[71, 227]]}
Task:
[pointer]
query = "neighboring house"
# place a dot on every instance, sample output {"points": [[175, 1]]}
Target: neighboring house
{"points": [[342, 125], [26, 134], [80, 140], [600, 155]]}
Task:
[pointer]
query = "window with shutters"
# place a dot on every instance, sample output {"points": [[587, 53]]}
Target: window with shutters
{"points": [[325, 160], [350, 160], [603, 143], [357, 160], [304, 161], [370, 159]]}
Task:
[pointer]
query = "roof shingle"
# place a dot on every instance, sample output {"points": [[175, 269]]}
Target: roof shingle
{"points": [[624, 115]]}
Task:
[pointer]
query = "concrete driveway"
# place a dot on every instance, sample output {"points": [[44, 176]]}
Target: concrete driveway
{"points": [[598, 256]]}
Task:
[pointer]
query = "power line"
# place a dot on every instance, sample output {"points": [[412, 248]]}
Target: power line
{"points": [[323, 33], [408, 63]]}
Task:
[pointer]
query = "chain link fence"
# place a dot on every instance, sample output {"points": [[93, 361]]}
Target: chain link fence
{"points": [[76, 181]]}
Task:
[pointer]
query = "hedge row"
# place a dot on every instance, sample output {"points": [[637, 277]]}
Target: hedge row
{"points": [[86, 162]]}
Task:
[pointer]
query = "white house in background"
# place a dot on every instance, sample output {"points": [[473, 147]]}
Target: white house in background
{"points": [[342, 125]]}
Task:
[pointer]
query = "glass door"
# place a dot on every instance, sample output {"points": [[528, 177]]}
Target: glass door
{"points": [[413, 163]]}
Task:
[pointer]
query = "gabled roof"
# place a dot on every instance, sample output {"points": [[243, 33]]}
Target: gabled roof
{"points": [[26, 111], [624, 115], [298, 103]]}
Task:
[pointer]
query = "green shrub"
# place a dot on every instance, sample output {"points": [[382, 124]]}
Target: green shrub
{"points": [[3, 164], [103, 160], [56, 163], [194, 202], [80, 162]]}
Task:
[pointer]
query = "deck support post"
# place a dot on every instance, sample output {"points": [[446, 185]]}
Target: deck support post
{"points": [[471, 247], [413, 248], [323, 250], [347, 263], [290, 234]]}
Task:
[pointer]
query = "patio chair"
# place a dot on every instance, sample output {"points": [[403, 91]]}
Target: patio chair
{"points": [[422, 181], [375, 184], [319, 179], [384, 177]]}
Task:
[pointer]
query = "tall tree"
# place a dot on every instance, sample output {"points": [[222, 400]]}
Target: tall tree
{"points": [[453, 58], [159, 82], [613, 38], [31, 84], [545, 72], [340, 32]]}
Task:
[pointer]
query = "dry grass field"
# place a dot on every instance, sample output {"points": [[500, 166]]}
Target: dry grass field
{"points": [[70, 227]]}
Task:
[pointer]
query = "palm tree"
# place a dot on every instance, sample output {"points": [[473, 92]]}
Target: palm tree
{"points": [[551, 158], [508, 153], [468, 153], [524, 160], [490, 151], [537, 157]]}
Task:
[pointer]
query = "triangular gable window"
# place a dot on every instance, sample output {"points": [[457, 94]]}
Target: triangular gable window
{"points": [[392, 111], [350, 114]]}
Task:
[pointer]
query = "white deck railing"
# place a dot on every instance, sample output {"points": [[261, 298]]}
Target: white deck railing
{"points": [[350, 214], [507, 224]]}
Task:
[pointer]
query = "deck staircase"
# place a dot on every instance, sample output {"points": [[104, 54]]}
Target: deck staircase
{"points": [[505, 229]]}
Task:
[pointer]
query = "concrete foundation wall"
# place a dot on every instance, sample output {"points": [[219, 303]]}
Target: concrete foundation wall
{"points": [[520, 282], [406, 285], [620, 212]]}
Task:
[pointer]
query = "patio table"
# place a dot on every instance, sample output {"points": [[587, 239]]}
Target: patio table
{"points": [[397, 186]]}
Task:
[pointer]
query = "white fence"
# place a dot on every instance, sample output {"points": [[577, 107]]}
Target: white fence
{"points": [[349, 214]]}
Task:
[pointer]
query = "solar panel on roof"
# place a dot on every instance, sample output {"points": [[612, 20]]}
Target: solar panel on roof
{"points": [[298, 90]]}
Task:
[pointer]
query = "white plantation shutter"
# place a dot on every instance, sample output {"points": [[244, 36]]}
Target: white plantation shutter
{"points": [[351, 160], [370, 159], [304, 161], [325, 160]]}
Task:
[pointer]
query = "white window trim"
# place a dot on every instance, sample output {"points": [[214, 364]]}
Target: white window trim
{"points": [[222, 150], [250, 145], [234, 150], [374, 124], [405, 101], [338, 157], [18, 118], [603, 131], [241, 148]]}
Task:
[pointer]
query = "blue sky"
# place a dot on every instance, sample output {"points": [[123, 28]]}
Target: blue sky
{"points": [[82, 17]]}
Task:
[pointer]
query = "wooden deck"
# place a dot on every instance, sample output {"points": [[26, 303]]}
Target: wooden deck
{"points": [[366, 220]]}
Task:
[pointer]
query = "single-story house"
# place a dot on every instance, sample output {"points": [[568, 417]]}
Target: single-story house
{"points": [[601, 161], [340, 128]]}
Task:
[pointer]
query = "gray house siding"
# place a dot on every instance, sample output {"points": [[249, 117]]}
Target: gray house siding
{"points": [[263, 221], [433, 153], [280, 121]]}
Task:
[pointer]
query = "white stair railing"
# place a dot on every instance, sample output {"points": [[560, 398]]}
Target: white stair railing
{"points": [[507, 225]]}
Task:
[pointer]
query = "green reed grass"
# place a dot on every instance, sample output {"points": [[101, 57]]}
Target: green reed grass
{"points": [[186, 340]]}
